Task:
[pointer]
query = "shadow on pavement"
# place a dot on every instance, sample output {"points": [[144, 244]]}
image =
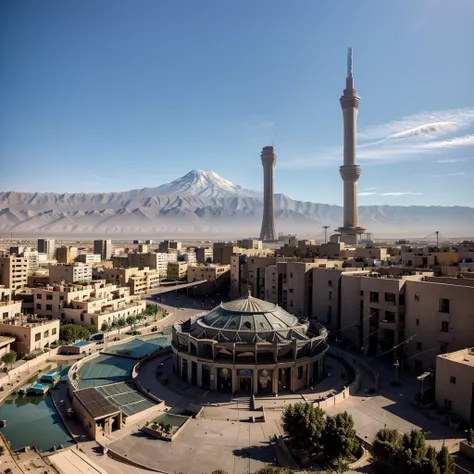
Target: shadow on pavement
{"points": [[263, 453]]}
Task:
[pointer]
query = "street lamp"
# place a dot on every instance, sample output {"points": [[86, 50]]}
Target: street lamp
{"points": [[397, 365]]}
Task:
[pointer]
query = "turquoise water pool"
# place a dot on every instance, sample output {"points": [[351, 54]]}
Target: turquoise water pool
{"points": [[81, 343]]}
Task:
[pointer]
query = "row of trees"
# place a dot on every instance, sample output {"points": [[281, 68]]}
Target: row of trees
{"points": [[332, 439], [408, 454]]}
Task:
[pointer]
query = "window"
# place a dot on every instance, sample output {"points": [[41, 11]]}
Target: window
{"points": [[291, 290], [63, 315], [291, 275], [49, 307], [419, 346], [330, 283], [38, 296], [417, 297], [452, 380], [38, 305], [61, 298], [448, 404], [374, 297], [390, 316], [444, 326], [46, 334], [300, 372], [82, 317], [361, 292], [38, 337], [417, 322], [330, 295], [443, 305], [5, 315], [391, 298], [53, 331], [49, 297]]}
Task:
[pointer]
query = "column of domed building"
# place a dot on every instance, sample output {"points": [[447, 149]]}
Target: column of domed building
{"points": [[249, 345]]}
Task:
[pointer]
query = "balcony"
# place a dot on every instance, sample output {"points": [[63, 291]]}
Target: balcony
{"points": [[446, 337]]}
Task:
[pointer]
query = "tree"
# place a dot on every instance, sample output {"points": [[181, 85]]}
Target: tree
{"points": [[445, 461], [121, 322], [72, 332], [304, 425], [430, 463], [340, 437], [9, 358], [413, 451], [105, 327], [385, 448], [93, 329], [131, 320]]}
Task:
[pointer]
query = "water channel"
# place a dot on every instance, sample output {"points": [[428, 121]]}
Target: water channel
{"points": [[32, 420]]}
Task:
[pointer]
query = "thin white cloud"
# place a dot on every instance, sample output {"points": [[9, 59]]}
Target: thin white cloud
{"points": [[451, 160], [393, 193], [428, 135], [449, 175]]}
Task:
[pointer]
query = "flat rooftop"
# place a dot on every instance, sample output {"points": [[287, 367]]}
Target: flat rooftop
{"points": [[95, 403], [465, 356]]}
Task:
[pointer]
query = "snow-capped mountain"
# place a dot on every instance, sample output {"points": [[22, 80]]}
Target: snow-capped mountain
{"points": [[204, 184], [202, 204]]}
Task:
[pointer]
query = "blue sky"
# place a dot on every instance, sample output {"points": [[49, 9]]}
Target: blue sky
{"points": [[116, 95]]}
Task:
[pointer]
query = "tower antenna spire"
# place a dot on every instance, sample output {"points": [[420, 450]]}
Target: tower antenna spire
{"points": [[350, 70]]}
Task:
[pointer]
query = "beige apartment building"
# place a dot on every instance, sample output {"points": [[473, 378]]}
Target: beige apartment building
{"points": [[250, 244], [69, 273], [8, 307], [373, 253], [13, 272], [177, 270], [326, 293], [439, 318], [153, 261], [67, 254], [217, 277], [373, 312], [97, 311], [139, 281], [455, 383], [30, 333], [50, 301]]}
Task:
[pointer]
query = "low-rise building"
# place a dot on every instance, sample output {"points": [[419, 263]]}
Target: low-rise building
{"points": [[216, 276], [177, 270], [166, 245], [153, 261], [89, 258], [103, 248], [250, 244], [455, 384], [51, 300], [8, 307], [70, 273], [30, 333]]}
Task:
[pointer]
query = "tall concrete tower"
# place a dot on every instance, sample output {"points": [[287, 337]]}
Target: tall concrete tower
{"points": [[350, 171], [268, 225]]}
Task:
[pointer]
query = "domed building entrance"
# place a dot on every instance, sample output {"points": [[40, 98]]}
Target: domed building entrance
{"points": [[250, 346]]}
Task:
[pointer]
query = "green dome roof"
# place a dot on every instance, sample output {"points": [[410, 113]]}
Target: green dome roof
{"points": [[249, 314]]}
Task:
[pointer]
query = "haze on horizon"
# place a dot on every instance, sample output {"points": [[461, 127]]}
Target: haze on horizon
{"points": [[119, 96]]}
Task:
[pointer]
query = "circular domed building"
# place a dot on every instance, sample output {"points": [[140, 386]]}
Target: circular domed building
{"points": [[248, 345]]}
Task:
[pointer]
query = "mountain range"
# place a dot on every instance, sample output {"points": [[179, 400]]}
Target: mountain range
{"points": [[201, 204]]}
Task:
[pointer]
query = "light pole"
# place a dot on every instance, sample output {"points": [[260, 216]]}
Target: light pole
{"points": [[397, 365]]}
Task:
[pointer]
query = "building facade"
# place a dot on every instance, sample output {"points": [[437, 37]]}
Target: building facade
{"points": [[48, 247], [455, 384], [103, 248], [14, 272], [70, 273]]}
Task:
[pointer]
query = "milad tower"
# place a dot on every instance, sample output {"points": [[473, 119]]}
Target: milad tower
{"points": [[267, 233], [350, 171]]}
